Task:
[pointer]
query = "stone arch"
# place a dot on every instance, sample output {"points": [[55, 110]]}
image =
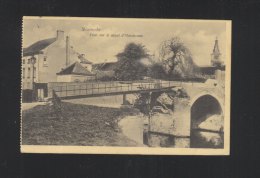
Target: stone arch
{"points": [[196, 97], [202, 107]]}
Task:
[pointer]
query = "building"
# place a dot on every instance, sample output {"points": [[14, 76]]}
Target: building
{"points": [[105, 69], [217, 68], [216, 55], [84, 62], [75, 72], [42, 60]]}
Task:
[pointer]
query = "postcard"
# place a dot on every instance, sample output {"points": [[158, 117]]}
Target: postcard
{"points": [[125, 86]]}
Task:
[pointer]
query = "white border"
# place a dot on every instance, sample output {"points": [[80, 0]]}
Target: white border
{"points": [[147, 150]]}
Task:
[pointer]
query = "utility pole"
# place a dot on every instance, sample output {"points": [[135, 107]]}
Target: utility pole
{"points": [[33, 61], [67, 51]]}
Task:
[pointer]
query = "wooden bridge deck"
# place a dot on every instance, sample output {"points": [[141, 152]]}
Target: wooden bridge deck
{"points": [[95, 89]]}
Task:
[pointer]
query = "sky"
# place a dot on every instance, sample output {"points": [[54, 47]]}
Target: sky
{"points": [[199, 36]]}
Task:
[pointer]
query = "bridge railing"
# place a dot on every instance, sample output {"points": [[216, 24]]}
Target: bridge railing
{"points": [[93, 88]]}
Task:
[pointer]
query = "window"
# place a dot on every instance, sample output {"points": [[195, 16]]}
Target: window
{"points": [[45, 63], [29, 72], [23, 61], [23, 73], [29, 61], [34, 72]]}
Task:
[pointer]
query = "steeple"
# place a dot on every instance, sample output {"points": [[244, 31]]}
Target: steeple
{"points": [[216, 48], [215, 55]]}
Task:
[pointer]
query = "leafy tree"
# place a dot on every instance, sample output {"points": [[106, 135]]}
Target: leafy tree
{"points": [[129, 65], [177, 59], [157, 71]]}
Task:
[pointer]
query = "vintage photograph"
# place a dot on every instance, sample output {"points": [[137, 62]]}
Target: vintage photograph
{"points": [[125, 86]]}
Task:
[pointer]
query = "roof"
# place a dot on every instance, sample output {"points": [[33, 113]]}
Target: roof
{"points": [[210, 70], [83, 60], [75, 68], [36, 47], [108, 66], [216, 48]]}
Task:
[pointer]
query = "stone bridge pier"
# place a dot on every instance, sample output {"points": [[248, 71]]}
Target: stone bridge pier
{"points": [[203, 100]]}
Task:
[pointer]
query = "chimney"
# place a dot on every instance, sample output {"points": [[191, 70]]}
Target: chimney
{"points": [[60, 35], [67, 50]]}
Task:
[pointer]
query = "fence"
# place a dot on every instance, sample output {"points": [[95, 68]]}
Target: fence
{"points": [[99, 88]]}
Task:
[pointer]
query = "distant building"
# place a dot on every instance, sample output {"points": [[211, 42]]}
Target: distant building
{"points": [[217, 68], [75, 73], [42, 60], [105, 69], [216, 55], [85, 63]]}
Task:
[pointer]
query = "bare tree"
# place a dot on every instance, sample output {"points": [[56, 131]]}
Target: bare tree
{"points": [[176, 58]]}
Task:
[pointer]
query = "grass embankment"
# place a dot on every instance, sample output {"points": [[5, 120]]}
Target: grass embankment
{"points": [[80, 125]]}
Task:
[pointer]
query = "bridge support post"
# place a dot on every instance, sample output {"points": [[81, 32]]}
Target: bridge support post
{"points": [[124, 100]]}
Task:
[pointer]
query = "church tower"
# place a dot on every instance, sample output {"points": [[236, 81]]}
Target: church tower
{"points": [[215, 55]]}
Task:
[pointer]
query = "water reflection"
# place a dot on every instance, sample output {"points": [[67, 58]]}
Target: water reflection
{"points": [[153, 139], [198, 139], [137, 129], [205, 139]]}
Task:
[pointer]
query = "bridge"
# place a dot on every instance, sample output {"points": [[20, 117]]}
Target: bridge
{"points": [[96, 89], [204, 99]]}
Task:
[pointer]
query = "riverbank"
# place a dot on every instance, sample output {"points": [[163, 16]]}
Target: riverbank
{"points": [[80, 125]]}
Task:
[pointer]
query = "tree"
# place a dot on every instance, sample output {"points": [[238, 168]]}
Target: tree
{"points": [[157, 71], [177, 59], [129, 65]]}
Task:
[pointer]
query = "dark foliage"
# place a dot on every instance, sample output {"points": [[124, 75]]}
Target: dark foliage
{"points": [[129, 66], [143, 103], [157, 71]]}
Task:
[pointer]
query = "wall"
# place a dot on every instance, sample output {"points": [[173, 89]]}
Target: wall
{"points": [[63, 78], [27, 75], [74, 78], [87, 66], [220, 76], [176, 123], [55, 55], [78, 78], [56, 60], [102, 74]]}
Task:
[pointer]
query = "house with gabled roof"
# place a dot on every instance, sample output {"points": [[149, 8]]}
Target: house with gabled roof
{"points": [[75, 73], [42, 60], [85, 62], [106, 69]]}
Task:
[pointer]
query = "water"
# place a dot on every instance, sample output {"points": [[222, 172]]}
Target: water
{"points": [[132, 127], [209, 133], [202, 139], [136, 128]]}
